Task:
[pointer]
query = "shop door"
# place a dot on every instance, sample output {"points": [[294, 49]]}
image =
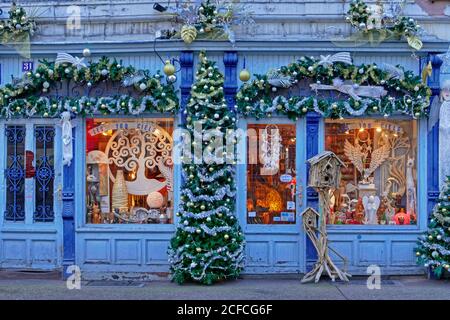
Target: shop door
{"points": [[30, 198], [273, 172]]}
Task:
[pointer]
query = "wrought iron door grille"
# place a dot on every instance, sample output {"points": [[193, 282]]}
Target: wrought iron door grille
{"points": [[15, 173], [45, 174]]}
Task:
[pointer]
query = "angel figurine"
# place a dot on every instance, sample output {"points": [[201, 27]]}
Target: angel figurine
{"points": [[371, 204]]}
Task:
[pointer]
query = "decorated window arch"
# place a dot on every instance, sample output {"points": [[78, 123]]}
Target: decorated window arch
{"points": [[72, 87], [369, 113]]}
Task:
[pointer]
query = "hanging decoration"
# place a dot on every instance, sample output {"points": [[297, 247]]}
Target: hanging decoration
{"points": [[17, 30], [362, 90], [33, 96], [378, 24], [210, 20], [208, 245], [66, 138]]}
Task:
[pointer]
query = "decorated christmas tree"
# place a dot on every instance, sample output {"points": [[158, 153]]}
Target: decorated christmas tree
{"points": [[434, 246], [209, 244]]}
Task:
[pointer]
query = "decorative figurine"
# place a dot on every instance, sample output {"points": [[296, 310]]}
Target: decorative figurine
{"points": [[371, 205]]}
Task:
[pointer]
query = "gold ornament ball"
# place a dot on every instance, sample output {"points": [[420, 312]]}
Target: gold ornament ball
{"points": [[202, 207], [226, 237], [198, 249], [244, 75], [169, 68]]}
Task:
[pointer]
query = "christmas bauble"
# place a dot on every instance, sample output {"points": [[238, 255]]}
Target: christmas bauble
{"points": [[435, 254], [226, 237], [244, 75], [86, 52], [169, 68], [155, 200], [188, 33], [198, 249], [142, 86]]}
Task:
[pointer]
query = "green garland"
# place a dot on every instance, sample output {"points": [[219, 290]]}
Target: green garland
{"points": [[257, 98], [27, 97], [17, 25], [399, 26]]}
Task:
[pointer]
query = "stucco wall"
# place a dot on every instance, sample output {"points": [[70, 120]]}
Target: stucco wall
{"points": [[117, 20]]}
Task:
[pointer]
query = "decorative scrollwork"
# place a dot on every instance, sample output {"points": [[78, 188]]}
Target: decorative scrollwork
{"points": [[15, 174], [45, 174]]}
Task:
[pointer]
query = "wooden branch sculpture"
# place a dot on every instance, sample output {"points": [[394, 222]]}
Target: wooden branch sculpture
{"points": [[324, 176]]}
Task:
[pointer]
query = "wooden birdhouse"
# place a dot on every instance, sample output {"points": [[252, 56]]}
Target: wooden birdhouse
{"points": [[325, 170], [309, 218]]}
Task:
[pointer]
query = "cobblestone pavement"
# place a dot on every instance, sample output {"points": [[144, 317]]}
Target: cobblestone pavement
{"points": [[17, 286]]}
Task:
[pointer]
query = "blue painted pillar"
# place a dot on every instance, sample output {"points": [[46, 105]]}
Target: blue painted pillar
{"points": [[433, 137], [187, 78], [312, 198], [68, 212], [230, 60]]}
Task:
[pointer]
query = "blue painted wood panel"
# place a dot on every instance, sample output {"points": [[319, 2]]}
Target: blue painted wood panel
{"points": [[29, 244]]}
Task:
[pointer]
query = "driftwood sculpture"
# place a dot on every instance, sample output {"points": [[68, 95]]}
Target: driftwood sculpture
{"points": [[324, 176]]}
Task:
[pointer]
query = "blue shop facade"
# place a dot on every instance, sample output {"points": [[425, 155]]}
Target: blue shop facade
{"points": [[46, 222]]}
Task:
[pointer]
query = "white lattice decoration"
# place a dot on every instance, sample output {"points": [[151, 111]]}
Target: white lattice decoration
{"points": [[135, 150]]}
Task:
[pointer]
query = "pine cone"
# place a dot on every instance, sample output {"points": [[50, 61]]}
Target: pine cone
{"points": [[188, 33]]}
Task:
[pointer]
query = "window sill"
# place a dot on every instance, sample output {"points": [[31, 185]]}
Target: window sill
{"points": [[148, 228]]}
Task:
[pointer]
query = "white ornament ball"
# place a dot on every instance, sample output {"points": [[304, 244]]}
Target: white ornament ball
{"points": [[435, 254], [216, 116], [50, 72], [86, 52], [142, 86], [155, 200], [274, 89], [186, 222], [198, 231], [226, 236], [439, 237], [208, 219], [202, 207], [198, 249], [310, 69], [104, 72], [46, 85]]}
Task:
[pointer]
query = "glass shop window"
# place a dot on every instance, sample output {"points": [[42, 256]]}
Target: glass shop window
{"points": [[129, 171], [379, 182], [271, 183], [23, 164]]}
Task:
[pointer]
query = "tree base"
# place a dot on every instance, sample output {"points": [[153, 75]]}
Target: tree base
{"points": [[325, 264]]}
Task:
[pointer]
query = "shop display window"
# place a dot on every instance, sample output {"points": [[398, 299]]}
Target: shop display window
{"points": [[271, 182], [379, 182], [129, 171]]}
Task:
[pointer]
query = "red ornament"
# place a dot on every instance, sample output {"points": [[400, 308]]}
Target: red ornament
{"points": [[402, 217], [30, 171]]}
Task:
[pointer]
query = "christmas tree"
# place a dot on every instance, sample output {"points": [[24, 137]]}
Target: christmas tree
{"points": [[208, 245], [434, 246]]}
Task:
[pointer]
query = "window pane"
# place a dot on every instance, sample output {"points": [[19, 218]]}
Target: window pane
{"points": [[379, 185], [15, 173], [271, 174], [129, 171], [45, 173]]}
